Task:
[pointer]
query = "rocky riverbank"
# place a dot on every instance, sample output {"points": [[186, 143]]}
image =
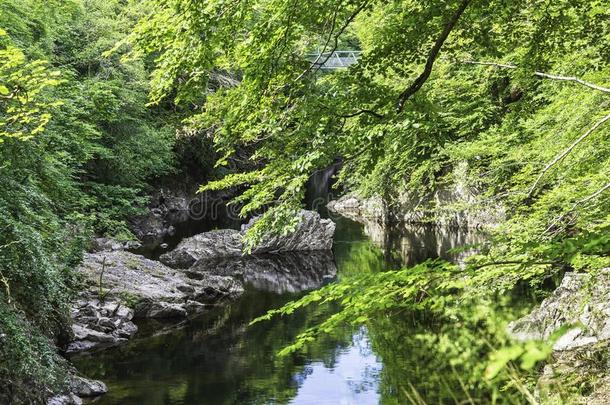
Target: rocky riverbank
{"points": [[208, 269], [579, 311], [454, 205]]}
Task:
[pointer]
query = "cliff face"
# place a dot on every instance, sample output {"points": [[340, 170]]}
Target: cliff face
{"points": [[456, 205]]}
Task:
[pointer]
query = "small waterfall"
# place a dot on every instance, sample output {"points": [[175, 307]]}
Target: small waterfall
{"points": [[319, 187]]}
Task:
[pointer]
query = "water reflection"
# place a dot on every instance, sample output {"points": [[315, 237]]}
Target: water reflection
{"points": [[409, 244], [288, 272], [352, 379], [218, 359]]}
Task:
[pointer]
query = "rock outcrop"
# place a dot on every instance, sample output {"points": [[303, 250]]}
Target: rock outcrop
{"points": [[287, 272], [208, 245], [581, 301], [78, 387], [312, 234], [153, 289], [123, 285]]}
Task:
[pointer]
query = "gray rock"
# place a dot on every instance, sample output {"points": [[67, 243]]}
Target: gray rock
{"points": [[134, 286], [149, 287], [582, 301], [312, 234], [84, 387], [207, 245], [100, 324]]}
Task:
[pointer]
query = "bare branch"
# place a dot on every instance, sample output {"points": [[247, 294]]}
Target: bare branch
{"points": [[436, 48], [7, 287], [542, 74], [565, 152], [592, 196], [512, 262], [575, 205]]}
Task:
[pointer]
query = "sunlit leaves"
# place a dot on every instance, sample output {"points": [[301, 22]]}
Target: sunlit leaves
{"points": [[24, 110]]}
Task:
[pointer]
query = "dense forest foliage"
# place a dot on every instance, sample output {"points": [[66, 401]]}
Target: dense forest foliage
{"points": [[512, 96], [79, 148]]}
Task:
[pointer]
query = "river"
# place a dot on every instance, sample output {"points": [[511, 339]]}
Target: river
{"points": [[217, 358]]}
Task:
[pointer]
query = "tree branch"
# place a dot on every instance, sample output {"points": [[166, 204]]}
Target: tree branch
{"points": [[542, 74], [592, 196], [512, 262], [360, 112], [575, 205], [421, 79], [565, 152]]}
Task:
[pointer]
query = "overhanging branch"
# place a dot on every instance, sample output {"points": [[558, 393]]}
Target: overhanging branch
{"points": [[542, 74], [565, 152], [421, 79]]}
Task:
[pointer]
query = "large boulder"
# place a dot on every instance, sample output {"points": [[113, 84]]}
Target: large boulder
{"points": [[312, 234], [582, 301], [122, 285], [149, 287], [208, 245], [287, 272]]}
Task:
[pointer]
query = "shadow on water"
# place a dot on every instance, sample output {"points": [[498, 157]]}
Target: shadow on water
{"points": [[218, 359]]}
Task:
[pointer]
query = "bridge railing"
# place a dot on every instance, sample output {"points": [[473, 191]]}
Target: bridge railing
{"points": [[335, 60]]}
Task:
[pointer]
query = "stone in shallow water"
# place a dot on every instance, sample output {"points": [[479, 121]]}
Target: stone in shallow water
{"points": [[84, 387]]}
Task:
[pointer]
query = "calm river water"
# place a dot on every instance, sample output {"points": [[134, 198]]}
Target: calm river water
{"points": [[218, 359]]}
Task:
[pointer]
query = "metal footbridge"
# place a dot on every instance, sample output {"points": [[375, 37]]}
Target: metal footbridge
{"points": [[334, 60]]}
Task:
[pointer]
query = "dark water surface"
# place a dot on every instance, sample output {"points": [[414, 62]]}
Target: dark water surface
{"points": [[218, 359]]}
